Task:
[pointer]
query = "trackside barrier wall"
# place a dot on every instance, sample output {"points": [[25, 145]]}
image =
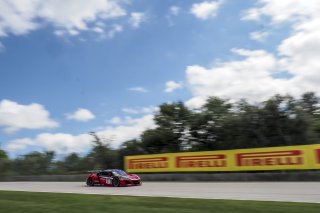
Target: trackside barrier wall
{"points": [[304, 157], [289, 175]]}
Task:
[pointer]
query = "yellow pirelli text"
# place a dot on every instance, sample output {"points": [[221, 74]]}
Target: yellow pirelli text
{"points": [[149, 163], [314, 156], [275, 158], [201, 161]]}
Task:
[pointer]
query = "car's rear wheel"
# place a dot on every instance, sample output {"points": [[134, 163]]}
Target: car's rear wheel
{"points": [[90, 182], [115, 182]]}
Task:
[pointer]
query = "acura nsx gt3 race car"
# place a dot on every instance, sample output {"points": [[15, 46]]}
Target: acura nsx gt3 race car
{"points": [[112, 177]]}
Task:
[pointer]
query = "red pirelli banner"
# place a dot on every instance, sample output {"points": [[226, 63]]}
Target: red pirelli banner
{"points": [[271, 158]]}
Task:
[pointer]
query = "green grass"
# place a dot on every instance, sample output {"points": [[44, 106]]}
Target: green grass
{"points": [[15, 202]]}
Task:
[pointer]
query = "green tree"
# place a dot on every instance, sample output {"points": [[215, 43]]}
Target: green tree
{"points": [[282, 122], [4, 162], [33, 163], [172, 133], [3, 154], [132, 147], [102, 155], [310, 109], [208, 124], [71, 163], [160, 140], [309, 103]]}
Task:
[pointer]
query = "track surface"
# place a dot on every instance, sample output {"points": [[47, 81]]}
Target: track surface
{"points": [[266, 191]]}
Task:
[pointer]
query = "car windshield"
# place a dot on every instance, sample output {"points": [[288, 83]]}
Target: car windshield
{"points": [[119, 172]]}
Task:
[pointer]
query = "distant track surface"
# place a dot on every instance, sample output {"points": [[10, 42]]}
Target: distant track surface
{"points": [[262, 191]]}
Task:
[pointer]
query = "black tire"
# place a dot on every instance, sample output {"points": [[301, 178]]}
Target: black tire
{"points": [[90, 182], [115, 182]]}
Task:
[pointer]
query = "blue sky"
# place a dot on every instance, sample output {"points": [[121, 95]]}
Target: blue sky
{"points": [[70, 68]]}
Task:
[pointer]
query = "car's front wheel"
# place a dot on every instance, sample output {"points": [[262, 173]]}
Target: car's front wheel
{"points": [[90, 182], [115, 182]]}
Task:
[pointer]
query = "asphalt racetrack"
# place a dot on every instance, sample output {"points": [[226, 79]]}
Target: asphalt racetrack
{"points": [[262, 191]]}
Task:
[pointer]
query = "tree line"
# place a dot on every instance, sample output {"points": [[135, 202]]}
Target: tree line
{"points": [[218, 125]]}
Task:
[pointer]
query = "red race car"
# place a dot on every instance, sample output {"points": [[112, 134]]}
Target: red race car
{"points": [[112, 177]]}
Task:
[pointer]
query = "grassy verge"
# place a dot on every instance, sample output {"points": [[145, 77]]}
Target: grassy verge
{"points": [[55, 202]]}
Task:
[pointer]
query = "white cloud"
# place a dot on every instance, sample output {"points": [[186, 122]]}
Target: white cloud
{"points": [[131, 110], [59, 33], [172, 86], [2, 47], [19, 144], [136, 18], [174, 10], [206, 9], [250, 78], [253, 77], [131, 129], [140, 110], [63, 143], [82, 115], [196, 102], [259, 36], [138, 89], [115, 29], [14, 116], [98, 30], [116, 120], [284, 10], [72, 16], [299, 52]]}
